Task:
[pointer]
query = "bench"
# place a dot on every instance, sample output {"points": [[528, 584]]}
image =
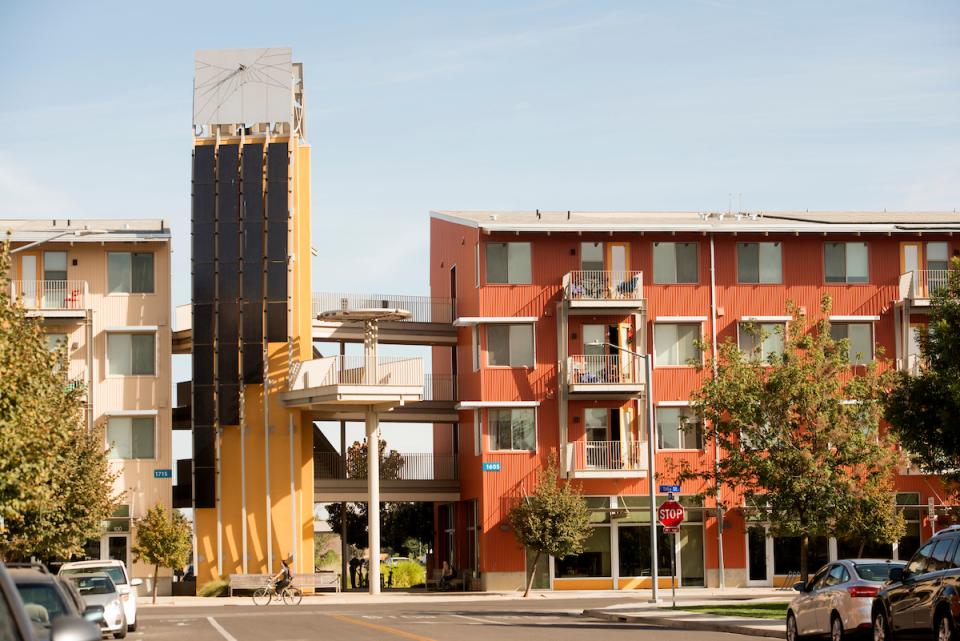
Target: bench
{"points": [[311, 581], [247, 581]]}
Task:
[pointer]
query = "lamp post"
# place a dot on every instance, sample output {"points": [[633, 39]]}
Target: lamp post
{"points": [[648, 392]]}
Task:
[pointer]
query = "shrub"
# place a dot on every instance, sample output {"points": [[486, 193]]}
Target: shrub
{"points": [[406, 574], [214, 588]]}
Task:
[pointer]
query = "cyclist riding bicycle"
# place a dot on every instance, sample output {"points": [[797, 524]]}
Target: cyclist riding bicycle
{"points": [[285, 577]]}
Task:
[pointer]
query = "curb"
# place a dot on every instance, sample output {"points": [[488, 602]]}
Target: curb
{"points": [[687, 624]]}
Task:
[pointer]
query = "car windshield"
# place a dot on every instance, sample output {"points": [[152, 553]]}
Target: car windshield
{"points": [[115, 572], [42, 601], [876, 571], [94, 585]]}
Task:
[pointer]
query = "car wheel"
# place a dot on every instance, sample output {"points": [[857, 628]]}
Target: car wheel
{"points": [[881, 629], [836, 628], [132, 627], [792, 634], [121, 634], [945, 630]]}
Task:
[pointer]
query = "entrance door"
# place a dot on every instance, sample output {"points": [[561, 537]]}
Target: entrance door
{"points": [[594, 353], [597, 437], [759, 550], [115, 548], [911, 257], [618, 264], [29, 275]]}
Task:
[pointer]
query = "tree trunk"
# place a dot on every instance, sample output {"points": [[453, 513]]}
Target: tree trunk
{"points": [[156, 570], [804, 547], [863, 543], [533, 573]]}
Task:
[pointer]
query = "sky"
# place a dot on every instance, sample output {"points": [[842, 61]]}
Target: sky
{"points": [[413, 106]]}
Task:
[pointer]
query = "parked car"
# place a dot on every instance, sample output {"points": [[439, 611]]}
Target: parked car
{"points": [[48, 606], [838, 598], [117, 572], [97, 588], [922, 599]]}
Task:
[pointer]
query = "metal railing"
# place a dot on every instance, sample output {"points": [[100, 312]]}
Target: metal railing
{"points": [[50, 294], [923, 283], [358, 370], [440, 387], [603, 285], [403, 466], [423, 309], [612, 369], [610, 455]]}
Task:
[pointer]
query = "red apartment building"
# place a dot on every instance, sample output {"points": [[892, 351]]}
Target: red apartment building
{"points": [[550, 307]]}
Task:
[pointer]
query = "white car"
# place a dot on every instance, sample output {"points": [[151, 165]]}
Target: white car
{"points": [[96, 588], [117, 572]]}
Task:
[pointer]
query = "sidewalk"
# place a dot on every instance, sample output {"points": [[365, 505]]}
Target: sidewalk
{"points": [[663, 615]]}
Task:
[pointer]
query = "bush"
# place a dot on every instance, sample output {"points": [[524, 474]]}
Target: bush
{"points": [[406, 574], [214, 588]]}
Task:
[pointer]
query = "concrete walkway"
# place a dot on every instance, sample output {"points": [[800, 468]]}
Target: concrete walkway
{"points": [[663, 615]]}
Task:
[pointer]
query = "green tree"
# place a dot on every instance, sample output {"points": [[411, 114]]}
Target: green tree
{"points": [[407, 527], [800, 435], [163, 542], [923, 409], [391, 463], [55, 480], [553, 521]]}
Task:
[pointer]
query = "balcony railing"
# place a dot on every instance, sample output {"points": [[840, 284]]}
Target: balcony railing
{"points": [[613, 369], [358, 370], [440, 387], [603, 286], [50, 294], [610, 455], [403, 466], [423, 309], [923, 283]]}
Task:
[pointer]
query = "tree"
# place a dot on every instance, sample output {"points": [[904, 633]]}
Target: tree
{"points": [[553, 521], [800, 436], [391, 463], [55, 480], [923, 409], [163, 542], [407, 527]]}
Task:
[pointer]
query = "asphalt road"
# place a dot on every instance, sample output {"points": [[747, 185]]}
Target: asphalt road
{"points": [[554, 620]]}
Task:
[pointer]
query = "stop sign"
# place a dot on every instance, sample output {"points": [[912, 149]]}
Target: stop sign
{"points": [[670, 514]]}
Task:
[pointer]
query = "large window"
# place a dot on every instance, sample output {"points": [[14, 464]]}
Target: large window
{"points": [[591, 257], [759, 263], [508, 263], [512, 429], [596, 559], [938, 256], [846, 263], [676, 343], [786, 554], [678, 428], [130, 272], [131, 354], [859, 337], [761, 341], [910, 540], [510, 345], [131, 437], [674, 263]]}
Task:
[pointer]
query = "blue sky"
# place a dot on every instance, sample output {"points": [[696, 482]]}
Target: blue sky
{"points": [[414, 106]]}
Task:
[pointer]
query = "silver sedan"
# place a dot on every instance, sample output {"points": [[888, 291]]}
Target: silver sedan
{"points": [[837, 599]]}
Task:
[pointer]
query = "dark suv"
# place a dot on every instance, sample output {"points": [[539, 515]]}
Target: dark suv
{"points": [[922, 600]]}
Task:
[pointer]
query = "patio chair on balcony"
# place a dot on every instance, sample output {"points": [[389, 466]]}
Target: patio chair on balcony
{"points": [[628, 286]]}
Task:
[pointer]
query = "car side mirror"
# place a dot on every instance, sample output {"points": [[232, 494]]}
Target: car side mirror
{"points": [[94, 613], [74, 629], [800, 586], [136, 582], [897, 575]]}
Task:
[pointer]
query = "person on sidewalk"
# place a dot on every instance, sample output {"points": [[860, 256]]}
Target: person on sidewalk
{"points": [[354, 571], [447, 575]]}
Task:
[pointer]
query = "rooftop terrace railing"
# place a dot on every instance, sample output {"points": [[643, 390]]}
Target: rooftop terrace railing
{"points": [[402, 466], [423, 309], [358, 370]]}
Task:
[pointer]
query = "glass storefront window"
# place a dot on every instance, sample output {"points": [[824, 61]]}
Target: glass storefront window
{"points": [[594, 561], [786, 554], [910, 542], [633, 542], [691, 555]]}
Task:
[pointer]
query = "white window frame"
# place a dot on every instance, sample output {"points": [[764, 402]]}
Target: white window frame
{"points": [[683, 407], [150, 414], [152, 330], [536, 435], [676, 320]]}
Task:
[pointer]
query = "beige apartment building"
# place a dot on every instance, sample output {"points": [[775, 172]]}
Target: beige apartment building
{"points": [[102, 287]]}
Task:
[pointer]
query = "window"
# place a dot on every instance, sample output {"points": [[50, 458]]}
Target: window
{"points": [[512, 429], [918, 564], [760, 341], [676, 343], [591, 257], [54, 265], [910, 541], [130, 437], [475, 347], [674, 263], [131, 354], [130, 272], [596, 558], [759, 263], [941, 559], [678, 429], [846, 263], [510, 345], [859, 337], [937, 256], [56, 341], [508, 263]]}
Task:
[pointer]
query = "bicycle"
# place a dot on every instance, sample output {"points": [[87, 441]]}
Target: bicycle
{"points": [[290, 595]]}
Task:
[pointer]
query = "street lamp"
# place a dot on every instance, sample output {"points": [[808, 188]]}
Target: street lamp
{"points": [[71, 232], [648, 392]]}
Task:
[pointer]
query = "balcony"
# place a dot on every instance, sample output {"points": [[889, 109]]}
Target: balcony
{"points": [[603, 289], [430, 321], [355, 380], [604, 374], [921, 284], [609, 459], [51, 298], [403, 477]]}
